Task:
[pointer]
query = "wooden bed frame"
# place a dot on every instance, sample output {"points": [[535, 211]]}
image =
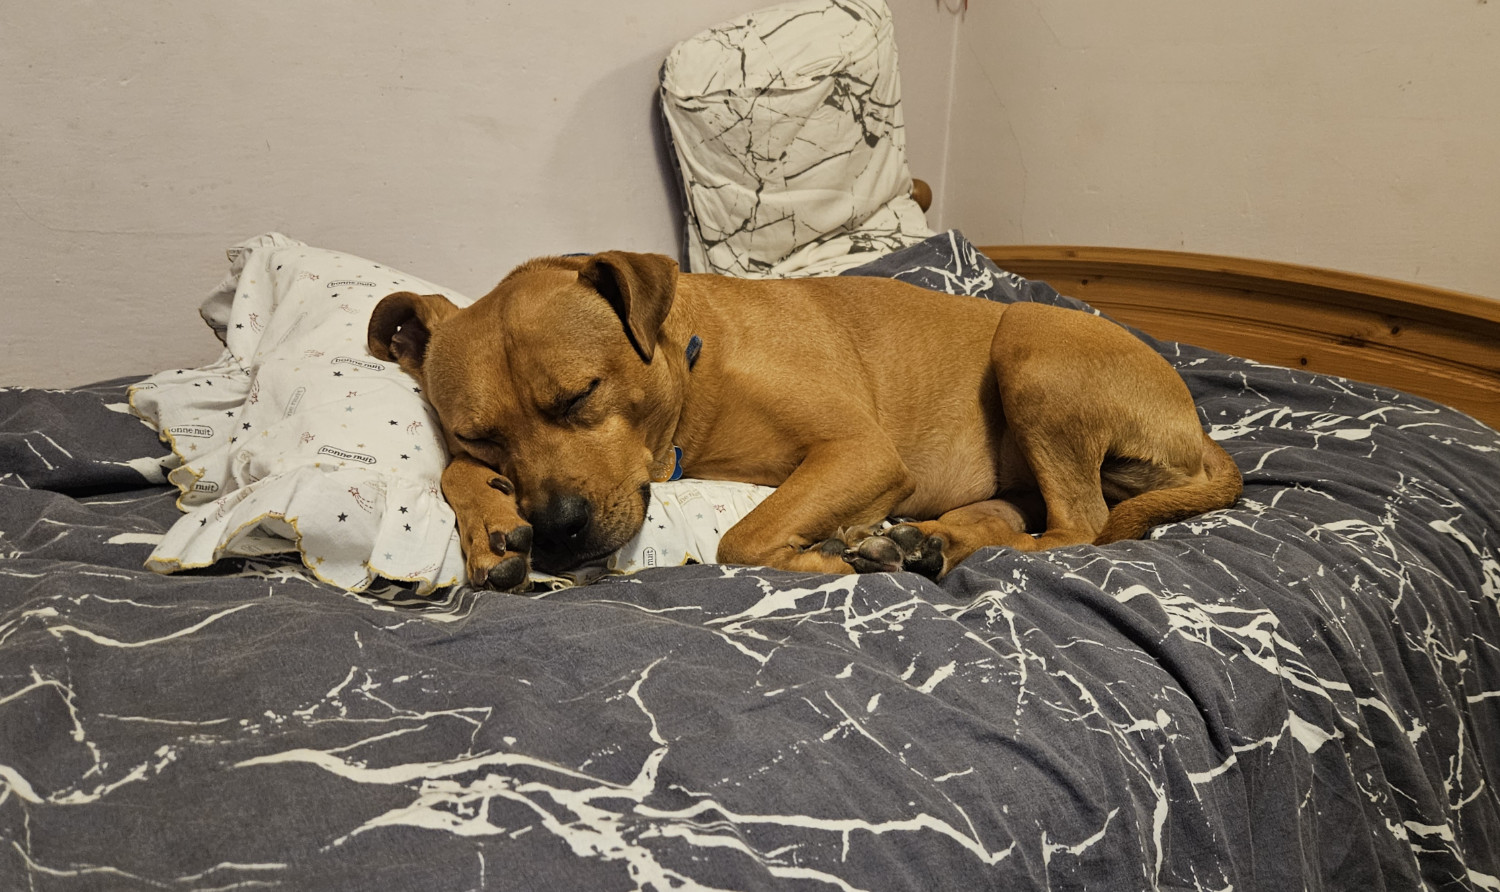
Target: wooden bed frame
{"points": [[1443, 345]]}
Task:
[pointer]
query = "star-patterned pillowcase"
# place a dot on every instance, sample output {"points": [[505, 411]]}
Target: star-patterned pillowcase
{"points": [[297, 440]]}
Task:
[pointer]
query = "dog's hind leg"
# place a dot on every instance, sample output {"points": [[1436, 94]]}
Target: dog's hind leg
{"points": [[1101, 418]]}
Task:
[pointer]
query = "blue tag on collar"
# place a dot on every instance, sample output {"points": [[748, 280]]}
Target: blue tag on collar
{"points": [[676, 463], [676, 467], [695, 344]]}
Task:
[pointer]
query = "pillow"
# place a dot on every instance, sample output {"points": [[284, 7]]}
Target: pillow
{"points": [[297, 440], [685, 520], [787, 128]]}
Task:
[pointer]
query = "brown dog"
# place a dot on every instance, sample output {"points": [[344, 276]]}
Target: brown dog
{"points": [[563, 392]]}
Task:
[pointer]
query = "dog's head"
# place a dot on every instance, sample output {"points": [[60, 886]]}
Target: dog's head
{"points": [[554, 380]]}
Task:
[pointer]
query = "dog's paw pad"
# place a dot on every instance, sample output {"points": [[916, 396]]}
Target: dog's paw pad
{"points": [[513, 548], [901, 547], [507, 575], [906, 536], [874, 554], [832, 547]]}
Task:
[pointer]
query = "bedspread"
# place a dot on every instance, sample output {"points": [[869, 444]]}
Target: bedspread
{"points": [[1302, 691]]}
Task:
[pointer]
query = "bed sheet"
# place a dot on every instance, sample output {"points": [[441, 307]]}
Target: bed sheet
{"points": [[1302, 691]]}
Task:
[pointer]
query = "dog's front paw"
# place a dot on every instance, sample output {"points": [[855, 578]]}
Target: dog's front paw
{"points": [[496, 539], [508, 563], [901, 547]]}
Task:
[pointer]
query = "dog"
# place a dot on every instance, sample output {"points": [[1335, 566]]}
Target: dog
{"points": [[578, 381]]}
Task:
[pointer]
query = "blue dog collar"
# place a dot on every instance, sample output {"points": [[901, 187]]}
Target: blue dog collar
{"points": [[694, 347]]}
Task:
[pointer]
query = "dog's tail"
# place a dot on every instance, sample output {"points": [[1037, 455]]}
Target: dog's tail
{"points": [[1132, 518]]}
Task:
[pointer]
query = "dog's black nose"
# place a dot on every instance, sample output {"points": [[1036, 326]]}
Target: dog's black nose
{"points": [[560, 524]]}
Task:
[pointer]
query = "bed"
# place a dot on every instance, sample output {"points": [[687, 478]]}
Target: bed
{"points": [[1298, 692]]}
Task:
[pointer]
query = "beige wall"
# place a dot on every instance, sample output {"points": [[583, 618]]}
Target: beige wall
{"points": [[449, 140], [1356, 134]]}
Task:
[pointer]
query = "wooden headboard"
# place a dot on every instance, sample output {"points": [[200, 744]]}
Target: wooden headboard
{"points": [[1443, 345]]}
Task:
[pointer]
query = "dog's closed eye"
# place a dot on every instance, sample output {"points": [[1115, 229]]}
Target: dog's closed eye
{"points": [[567, 406], [483, 442]]}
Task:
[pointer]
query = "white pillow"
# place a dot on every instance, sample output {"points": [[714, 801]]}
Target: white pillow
{"points": [[297, 440], [787, 127]]}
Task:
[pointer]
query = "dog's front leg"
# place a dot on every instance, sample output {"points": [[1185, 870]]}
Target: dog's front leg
{"points": [[839, 485], [495, 539]]}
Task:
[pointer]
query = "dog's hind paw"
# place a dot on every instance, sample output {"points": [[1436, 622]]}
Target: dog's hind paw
{"points": [[901, 547]]}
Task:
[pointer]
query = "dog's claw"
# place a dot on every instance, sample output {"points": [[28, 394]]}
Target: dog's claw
{"points": [[518, 540]]}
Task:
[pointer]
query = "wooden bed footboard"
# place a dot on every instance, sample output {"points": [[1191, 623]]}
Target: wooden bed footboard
{"points": [[1444, 345]]}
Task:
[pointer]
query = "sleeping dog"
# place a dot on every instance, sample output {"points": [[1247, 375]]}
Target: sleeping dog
{"points": [[578, 381]]}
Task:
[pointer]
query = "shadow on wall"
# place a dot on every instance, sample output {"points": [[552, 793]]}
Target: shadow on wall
{"points": [[666, 163], [618, 173]]}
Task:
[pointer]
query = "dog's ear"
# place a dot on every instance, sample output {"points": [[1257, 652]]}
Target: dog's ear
{"points": [[401, 325], [639, 286]]}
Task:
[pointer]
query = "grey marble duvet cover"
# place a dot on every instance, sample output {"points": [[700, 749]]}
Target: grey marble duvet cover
{"points": [[1301, 692]]}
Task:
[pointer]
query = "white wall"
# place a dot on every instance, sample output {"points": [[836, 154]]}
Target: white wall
{"points": [[452, 140], [1361, 135], [449, 140]]}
